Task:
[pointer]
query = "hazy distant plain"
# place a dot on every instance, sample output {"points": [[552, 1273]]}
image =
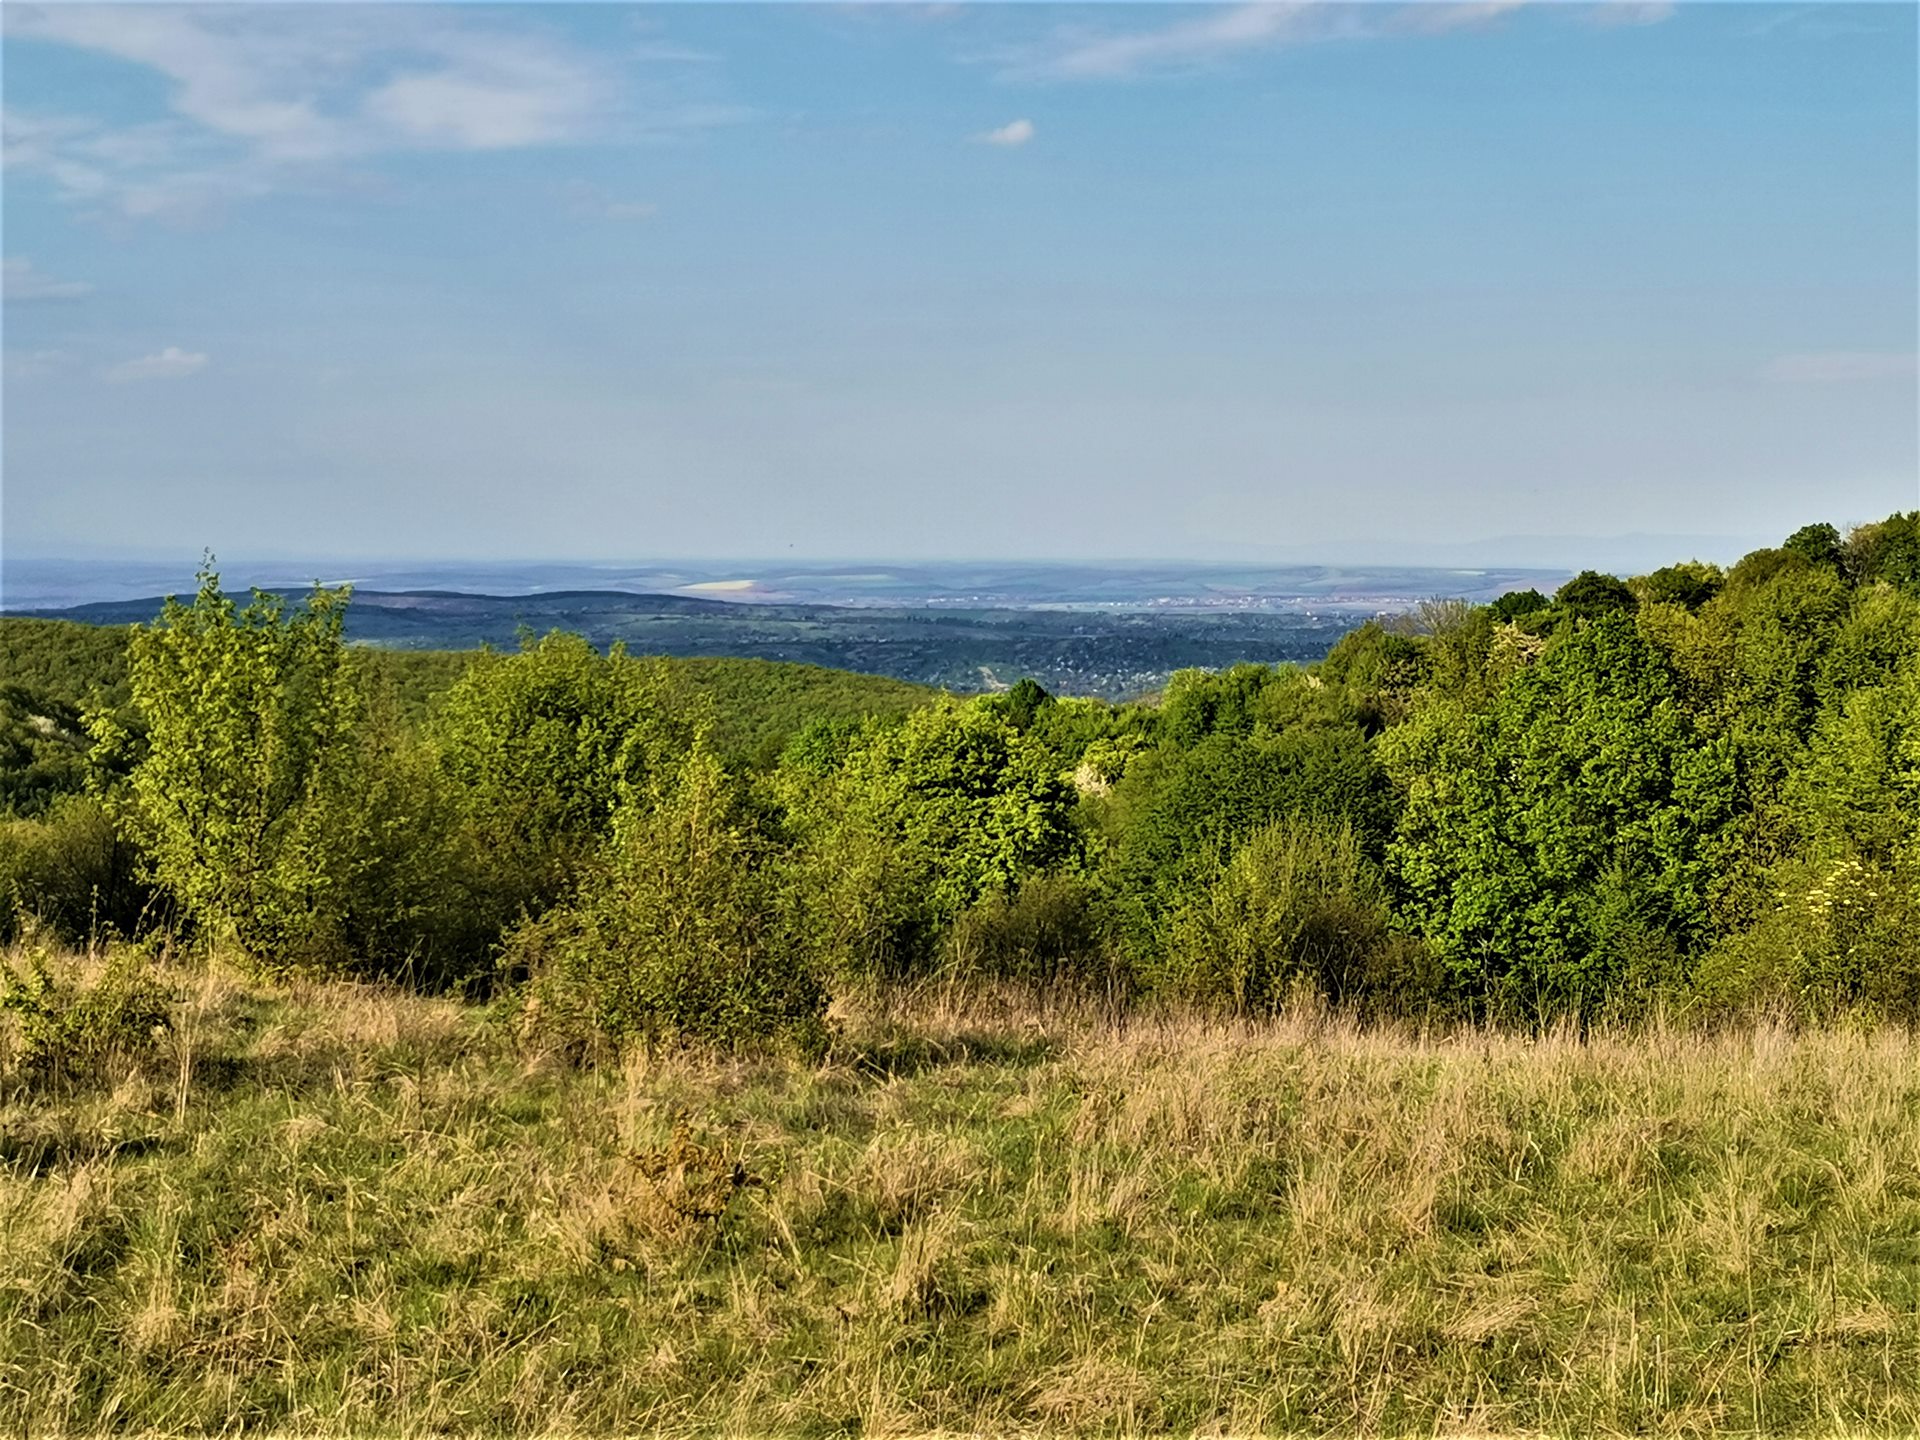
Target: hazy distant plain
{"points": [[41, 584]]}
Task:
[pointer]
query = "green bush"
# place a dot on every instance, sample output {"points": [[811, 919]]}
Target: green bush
{"points": [[680, 933], [422, 909], [1297, 907], [1591, 593], [1844, 939], [66, 1032], [247, 800], [71, 870], [43, 750], [1548, 838], [1175, 815], [898, 829], [539, 746], [1048, 932]]}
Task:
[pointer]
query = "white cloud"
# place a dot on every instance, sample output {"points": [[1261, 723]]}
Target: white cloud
{"points": [[298, 83], [56, 146], [1084, 55], [1215, 35], [1631, 12], [1012, 135], [267, 97], [172, 363], [491, 96], [1839, 367], [1437, 17], [24, 282]]}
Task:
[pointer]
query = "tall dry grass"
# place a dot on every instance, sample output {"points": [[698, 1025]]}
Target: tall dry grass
{"points": [[333, 1208]]}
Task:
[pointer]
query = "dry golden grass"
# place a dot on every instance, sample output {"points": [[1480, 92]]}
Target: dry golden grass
{"points": [[335, 1208]]}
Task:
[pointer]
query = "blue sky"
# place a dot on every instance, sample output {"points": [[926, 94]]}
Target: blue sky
{"points": [[1195, 281]]}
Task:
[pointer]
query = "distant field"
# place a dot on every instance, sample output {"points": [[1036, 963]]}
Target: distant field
{"points": [[334, 1209]]}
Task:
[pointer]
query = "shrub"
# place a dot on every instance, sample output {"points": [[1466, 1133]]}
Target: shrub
{"points": [[539, 747], [422, 909], [246, 799], [899, 829], [1888, 550], [1591, 593], [67, 1032], [1048, 931], [1546, 839], [686, 1186], [1843, 939], [678, 934], [1298, 905], [71, 870], [1380, 669], [1516, 605], [1175, 819], [43, 750], [1689, 585], [858, 903]]}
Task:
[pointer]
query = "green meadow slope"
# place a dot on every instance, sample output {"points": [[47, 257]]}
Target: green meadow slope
{"points": [[332, 1209]]}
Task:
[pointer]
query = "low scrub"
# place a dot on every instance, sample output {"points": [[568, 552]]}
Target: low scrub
{"points": [[1049, 932], [70, 870], [1296, 911], [62, 1028], [1842, 942]]}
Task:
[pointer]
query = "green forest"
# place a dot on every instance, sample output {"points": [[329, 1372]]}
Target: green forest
{"points": [[1696, 791]]}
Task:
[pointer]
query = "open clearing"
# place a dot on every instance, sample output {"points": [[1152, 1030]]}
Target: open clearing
{"points": [[333, 1208]]}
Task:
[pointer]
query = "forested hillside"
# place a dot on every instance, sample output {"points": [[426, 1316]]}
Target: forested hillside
{"points": [[1691, 790], [58, 668]]}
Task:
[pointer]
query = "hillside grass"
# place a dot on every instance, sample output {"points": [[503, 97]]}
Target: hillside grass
{"points": [[330, 1208]]}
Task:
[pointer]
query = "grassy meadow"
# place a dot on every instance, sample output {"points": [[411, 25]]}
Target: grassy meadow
{"points": [[332, 1207]]}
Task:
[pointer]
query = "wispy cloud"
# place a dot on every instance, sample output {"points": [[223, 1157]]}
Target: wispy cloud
{"points": [[1839, 367], [650, 45], [1078, 53], [1012, 135], [25, 282], [165, 172], [1814, 22], [172, 363], [1211, 36], [316, 83], [1630, 12], [265, 96]]}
